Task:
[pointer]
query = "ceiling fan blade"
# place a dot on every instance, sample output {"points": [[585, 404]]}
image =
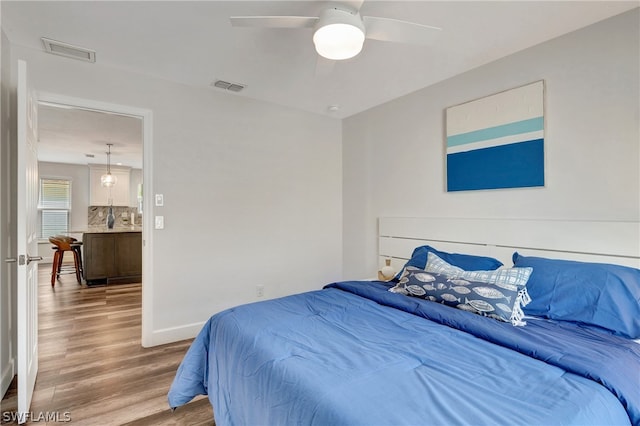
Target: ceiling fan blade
{"points": [[274, 21], [387, 29], [354, 4]]}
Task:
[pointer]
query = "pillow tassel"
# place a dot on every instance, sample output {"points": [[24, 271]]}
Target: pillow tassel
{"points": [[517, 315], [525, 299]]}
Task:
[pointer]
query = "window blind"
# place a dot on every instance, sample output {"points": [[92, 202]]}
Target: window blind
{"points": [[55, 194], [54, 222], [54, 203]]}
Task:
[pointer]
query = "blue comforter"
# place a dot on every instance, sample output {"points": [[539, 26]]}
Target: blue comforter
{"points": [[353, 353]]}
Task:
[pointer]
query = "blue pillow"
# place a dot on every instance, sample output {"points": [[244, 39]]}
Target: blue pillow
{"points": [[467, 262], [598, 294]]}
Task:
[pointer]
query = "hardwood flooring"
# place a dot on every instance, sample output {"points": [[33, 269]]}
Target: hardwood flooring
{"points": [[93, 369]]}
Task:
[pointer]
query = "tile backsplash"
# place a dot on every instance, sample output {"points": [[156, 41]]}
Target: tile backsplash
{"points": [[98, 215]]}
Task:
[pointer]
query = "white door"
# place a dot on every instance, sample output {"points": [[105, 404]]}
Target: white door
{"points": [[27, 244]]}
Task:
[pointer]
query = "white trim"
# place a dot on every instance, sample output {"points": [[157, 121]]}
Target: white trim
{"points": [[147, 217], [175, 334], [147, 232], [7, 376], [90, 104]]}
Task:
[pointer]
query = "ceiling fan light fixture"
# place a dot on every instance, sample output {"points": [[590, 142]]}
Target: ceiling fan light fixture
{"points": [[339, 34]]}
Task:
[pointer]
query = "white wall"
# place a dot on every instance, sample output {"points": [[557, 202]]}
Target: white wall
{"points": [[135, 178], [394, 155], [252, 191]]}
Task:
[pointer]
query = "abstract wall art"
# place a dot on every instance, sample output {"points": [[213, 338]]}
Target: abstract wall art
{"points": [[497, 141]]}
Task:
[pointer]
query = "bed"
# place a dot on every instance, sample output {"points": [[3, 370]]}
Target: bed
{"points": [[371, 352]]}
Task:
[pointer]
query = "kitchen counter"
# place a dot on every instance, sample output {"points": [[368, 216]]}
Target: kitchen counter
{"points": [[101, 229]]}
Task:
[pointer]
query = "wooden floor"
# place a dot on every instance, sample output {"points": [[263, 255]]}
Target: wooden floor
{"points": [[92, 367]]}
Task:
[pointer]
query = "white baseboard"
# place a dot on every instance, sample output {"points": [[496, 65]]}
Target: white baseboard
{"points": [[7, 376], [173, 334]]}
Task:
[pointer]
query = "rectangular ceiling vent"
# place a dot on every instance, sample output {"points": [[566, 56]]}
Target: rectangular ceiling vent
{"points": [[68, 50], [234, 87]]}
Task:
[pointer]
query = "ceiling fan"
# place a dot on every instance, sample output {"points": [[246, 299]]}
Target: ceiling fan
{"points": [[339, 31]]}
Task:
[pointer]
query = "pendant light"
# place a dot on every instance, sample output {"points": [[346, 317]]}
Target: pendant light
{"points": [[108, 179]]}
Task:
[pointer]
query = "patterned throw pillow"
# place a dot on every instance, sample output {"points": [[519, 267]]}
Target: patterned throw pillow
{"points": [[501, 300], [507, 278]]}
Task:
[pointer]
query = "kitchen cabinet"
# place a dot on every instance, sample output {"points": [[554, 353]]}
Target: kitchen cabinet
{"points": [[117, 195], [112, 257]]}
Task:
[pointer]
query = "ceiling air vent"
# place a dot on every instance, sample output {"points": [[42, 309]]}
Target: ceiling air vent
{"points": [[68, 50], [234, 87]]}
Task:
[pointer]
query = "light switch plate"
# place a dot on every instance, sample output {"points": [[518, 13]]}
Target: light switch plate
{"points": [[159, 222], [159, 200]]}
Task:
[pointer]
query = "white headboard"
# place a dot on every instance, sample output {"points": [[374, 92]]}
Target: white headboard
{"points": [[588, 241]]}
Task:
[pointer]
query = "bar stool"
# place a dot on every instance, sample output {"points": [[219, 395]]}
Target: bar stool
{"points": [[62, 244], [76, 246]]}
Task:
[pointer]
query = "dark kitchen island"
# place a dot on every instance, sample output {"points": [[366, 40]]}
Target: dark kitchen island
{"points": [[113, 256]]}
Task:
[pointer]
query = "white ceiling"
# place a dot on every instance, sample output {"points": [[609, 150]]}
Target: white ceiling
{"points": [[71, 135], [192, 42]]}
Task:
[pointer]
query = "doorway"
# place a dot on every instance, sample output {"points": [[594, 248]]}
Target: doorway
{"points": [[67, 102]]}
